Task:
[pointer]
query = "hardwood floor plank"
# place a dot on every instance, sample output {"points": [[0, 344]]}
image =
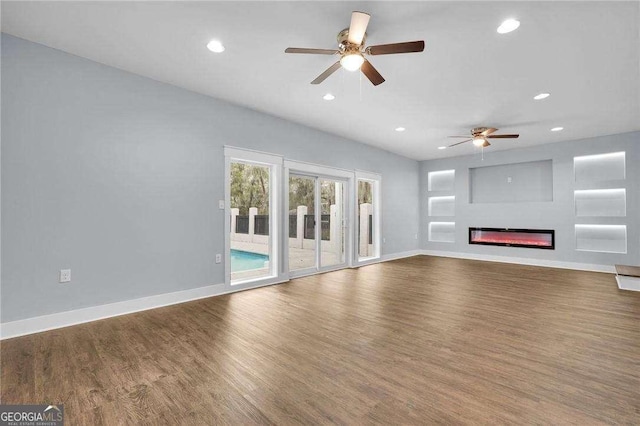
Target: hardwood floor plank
{"points": [[422, 340]]}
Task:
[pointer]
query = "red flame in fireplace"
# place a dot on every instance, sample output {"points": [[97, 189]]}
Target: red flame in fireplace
{"points": [[512, 238]]}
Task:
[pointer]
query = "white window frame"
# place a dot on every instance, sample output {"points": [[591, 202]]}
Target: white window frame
{"points": [[376, 181], [276, 225]]}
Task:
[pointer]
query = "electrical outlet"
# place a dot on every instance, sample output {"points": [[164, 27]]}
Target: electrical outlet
{"points": [[218, 258], [416, 236], [65, 275], [509, 179], [384, 240], [221, 204]]}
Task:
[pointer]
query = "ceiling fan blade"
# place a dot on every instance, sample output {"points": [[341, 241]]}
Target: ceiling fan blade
{"points": [[388, 49], [486, 144], [458, 136], [322, 77], [358, 27], [372, 74], [488, 131], [311, 51], [458, 143], [503, 136]]}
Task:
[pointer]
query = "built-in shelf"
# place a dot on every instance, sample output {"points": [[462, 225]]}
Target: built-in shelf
{"points": [[442, 206], [601, 238], [600, 167], [442, 232], [601, 202], [441, 180], [596, 174]]}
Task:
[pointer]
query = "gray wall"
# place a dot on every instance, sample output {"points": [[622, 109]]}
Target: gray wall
{"points": [[512, 183], [117, 177], [558, 214]]}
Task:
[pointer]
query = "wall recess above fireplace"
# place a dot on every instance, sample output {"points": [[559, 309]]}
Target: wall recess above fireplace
{"points": [[507, 237]]}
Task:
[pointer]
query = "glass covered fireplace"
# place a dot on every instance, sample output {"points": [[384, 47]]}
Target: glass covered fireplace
{"points": [[531, 238]]}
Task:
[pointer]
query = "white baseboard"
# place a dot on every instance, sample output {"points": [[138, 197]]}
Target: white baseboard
{"points": [[523, 261], [401, 255], [93, 313], [388, 257]]}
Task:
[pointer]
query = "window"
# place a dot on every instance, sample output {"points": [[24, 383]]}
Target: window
{"points": [[253, 228]]}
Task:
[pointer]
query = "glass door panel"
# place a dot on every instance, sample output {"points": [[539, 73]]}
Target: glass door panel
{"points": [[365, 218], [302, 223], [332, 212], [250, 202]]}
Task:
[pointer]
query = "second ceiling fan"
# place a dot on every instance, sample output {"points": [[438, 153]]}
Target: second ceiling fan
{"points": [[351, 48], [480, 137]]}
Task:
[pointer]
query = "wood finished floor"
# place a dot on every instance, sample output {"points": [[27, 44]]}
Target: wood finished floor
{"points": [[422, 340]]}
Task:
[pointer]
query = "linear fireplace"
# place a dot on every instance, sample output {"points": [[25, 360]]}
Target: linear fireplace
{"points": [[531, 238]]}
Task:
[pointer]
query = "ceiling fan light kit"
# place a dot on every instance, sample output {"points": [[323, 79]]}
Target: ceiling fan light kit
{"points": [[351, 48], [480, 137], [352, 62], [479, 141]]}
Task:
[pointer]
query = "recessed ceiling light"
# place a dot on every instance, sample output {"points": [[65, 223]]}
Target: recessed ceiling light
{"points": [[557, 129], [328, 97], [442, 147], [400, 129], [215, 46], [541, 96], [508, 26]]}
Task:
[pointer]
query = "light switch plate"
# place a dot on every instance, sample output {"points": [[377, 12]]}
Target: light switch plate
{"points": [[221, 204], [218, 258]]}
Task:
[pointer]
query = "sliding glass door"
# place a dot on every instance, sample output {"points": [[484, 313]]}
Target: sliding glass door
{"points": [[301, 220], [286, 219], [316, 223], [332, 223]]}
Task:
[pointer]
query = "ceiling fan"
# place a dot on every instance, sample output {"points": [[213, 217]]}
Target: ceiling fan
{"points": [[351, 48], [480, 136]]}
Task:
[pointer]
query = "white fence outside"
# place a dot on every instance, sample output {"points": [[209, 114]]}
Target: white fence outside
{"points": [[334, 244]]}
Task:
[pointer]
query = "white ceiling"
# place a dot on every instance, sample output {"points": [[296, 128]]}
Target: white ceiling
{"points": [[587, 55]]}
